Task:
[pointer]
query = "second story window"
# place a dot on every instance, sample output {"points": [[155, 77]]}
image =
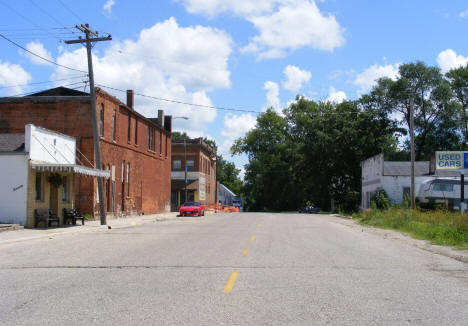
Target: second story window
{"points": [[136, 130], [114, 124], [190, 165], [101, 121], [160, 143], [129, 125], [176, 165], [151, 146]]}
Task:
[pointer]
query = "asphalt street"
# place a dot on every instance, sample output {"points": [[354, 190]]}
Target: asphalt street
{"points": [[230, 269]]}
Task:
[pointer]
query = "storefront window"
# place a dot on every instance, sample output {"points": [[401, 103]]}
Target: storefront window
{"points": [[65, 189], [39, 186]]}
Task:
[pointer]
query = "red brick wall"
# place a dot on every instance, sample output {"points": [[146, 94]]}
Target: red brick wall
{"points": [[150, 179], [195, 152]]}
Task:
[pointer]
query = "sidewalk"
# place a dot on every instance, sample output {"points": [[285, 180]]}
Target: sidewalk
{"points": [[90, 226]]}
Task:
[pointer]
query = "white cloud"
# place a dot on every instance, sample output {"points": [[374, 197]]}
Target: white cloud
{"points": [[336, 96], [464, 14], [166, 61], [449, 59], [294, 25], [108, 6], [38, 48], [238, 7], [236, 126], [272, 95], [11, 75], [368, 78], [295, 78]]}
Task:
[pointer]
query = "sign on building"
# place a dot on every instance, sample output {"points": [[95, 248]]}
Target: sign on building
{"points": [[451, 160]]}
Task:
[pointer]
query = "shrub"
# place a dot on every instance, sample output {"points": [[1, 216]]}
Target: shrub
{"points": [[380, 200]]}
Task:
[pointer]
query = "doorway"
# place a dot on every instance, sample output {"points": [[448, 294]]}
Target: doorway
{"points": [[53, 199]]}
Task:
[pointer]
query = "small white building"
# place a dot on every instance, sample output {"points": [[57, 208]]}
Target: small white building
{"points": [[394, 178], [37, 170]]}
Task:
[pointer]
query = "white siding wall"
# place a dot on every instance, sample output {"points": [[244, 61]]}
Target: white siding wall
{"points": [[372, 170], [394, 185], [13, 188], [47, 146]]}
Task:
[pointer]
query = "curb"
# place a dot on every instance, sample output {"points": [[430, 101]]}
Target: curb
{"points": [[130, 222]]}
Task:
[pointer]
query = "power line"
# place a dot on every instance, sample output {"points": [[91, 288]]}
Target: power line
{"points": [[71, 11], [43, 82], [46, 13], [184, 103], [37, 55], [28, 93], [23, 16]]}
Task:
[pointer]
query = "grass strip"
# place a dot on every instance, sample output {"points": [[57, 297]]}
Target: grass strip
{"points": [[439, 227]]}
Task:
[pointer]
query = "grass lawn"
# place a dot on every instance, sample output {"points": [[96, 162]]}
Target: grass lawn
{"points": [[439, 227]]}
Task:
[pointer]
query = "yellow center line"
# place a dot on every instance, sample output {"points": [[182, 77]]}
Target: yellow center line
{"points": [[252, 238], [230, 283], [245, 252]]}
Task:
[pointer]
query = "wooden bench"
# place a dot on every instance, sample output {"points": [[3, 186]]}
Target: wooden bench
{"points": [[46, 216], [73, 215]]}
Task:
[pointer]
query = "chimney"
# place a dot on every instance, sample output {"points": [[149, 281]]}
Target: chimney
{"points": [[130, 98], [161, 118], [168, 123]]}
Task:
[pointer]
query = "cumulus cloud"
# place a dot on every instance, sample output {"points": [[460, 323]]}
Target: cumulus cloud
{"points": [[295, 78], [12, 75], [236, 126], [237, 7], [294, 25], [108, 6], [166, 61], [272, 95], [38, 48], [368, 78], [336, 96], [449, 59]]}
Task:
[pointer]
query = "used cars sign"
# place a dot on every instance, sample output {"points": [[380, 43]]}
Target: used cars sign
{"points": [[451, 160]]}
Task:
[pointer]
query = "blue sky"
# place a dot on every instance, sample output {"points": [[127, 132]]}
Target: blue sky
{"points": [[238, 54]]}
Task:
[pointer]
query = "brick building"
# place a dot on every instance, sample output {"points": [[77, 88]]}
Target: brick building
{"points": [[136, 150], [200, 160]]}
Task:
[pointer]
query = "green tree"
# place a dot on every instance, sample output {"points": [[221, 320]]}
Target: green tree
{"points": [[176, 135], [435, 114], [458, 79]]}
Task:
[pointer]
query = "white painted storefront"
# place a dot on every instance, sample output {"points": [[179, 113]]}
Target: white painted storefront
{"points": [[27, 161], [393, 177]]}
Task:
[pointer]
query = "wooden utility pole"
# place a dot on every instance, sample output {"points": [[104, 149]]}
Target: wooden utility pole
{"points": [[92, 37], [413, 201]]}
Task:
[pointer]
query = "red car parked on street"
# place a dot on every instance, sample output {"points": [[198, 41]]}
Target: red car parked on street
{"points": [[192, 208]]}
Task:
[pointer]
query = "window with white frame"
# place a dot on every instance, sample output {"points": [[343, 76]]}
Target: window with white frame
{"points": [[128, 179]]}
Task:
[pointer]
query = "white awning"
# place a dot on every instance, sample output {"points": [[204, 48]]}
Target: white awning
{"points": [[78, 169]]}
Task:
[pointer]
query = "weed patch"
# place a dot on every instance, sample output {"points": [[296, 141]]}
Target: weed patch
{"points": [[440, 227]]}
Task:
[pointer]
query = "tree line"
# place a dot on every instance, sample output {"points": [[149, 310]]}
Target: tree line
{"points": [[312, 151]]}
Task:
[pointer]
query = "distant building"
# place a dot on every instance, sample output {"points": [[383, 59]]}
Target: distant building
{"points": [[395, 178], [226, 196], [199, 159], [38, 169], [136, 150]]}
